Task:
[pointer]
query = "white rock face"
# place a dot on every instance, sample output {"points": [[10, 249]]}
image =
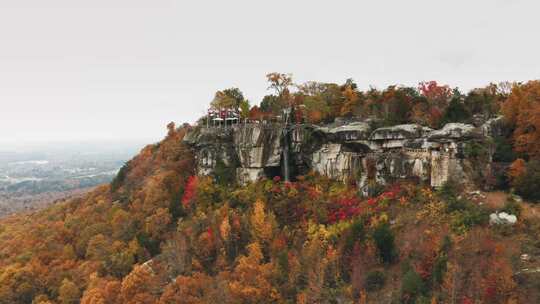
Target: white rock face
{"points": [[348, 152], [257, 146], [332, 161], [418, 168], [439, 168]]}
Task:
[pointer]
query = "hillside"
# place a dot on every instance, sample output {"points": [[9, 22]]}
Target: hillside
{"points": [[161, 233]]}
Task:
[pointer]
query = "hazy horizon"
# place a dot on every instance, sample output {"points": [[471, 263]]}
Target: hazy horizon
{"points": [[121, 70]]}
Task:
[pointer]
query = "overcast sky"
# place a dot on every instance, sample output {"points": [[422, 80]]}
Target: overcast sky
{"points": [[122, 69]]}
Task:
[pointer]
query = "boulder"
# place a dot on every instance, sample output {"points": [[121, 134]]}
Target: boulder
{"points": [[502, 218], [525, 257]]}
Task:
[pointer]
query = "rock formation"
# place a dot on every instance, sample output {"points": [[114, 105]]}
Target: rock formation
{"points": [[350, 152]]}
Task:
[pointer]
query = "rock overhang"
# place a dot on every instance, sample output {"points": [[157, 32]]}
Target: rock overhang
{"points": [[455, 131], [340, 152], [404, 131]]}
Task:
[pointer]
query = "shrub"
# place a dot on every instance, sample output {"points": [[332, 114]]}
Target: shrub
{"points": [[439, 269], [464, 220], [384, 240], [374, 280], [455, 204], [224, 175], [500, 177], [503, 150], [512, 207], [356, 234], [476, 151], [449, 193], [412, 286], [423, 300], [446, 244], [464, 214], [450, 189]]}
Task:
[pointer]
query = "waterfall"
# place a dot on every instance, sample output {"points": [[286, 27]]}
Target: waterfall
{"points": [[285, 155], [288, 114]]}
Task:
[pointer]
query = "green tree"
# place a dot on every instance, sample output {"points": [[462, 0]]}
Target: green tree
{"points": [[412, 286], [384, 240], [244, 109], [316, 108], [228, 98], [485, 101], [455, 112], [271, 104]]}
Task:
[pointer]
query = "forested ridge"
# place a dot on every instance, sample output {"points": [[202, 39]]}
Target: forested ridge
{"points": [[160, 234]]}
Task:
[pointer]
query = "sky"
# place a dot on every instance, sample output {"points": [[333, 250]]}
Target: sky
{"points": [[120, 70]]}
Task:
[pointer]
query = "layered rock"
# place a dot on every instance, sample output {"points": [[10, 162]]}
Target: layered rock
{"points": [[258, 147], [350, 152]]}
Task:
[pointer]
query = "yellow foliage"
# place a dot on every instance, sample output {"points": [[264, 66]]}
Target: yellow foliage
{"points": [[261, 223], [378, 219], [428, 193], [335, 230], [433, 210], [292, 193], [317, 231], [225, 228], [69, 293], [250, 280]]}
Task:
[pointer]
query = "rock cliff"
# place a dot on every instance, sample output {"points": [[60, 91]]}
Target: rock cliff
{"points": [[352, 152]]}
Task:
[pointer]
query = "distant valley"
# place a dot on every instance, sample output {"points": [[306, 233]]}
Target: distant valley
{"points": [[34, 177]]}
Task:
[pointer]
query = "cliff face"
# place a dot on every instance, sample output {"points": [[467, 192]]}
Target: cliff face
{"points": [[349, 152]]}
